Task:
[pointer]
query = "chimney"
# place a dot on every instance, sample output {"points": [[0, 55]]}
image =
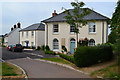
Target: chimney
{"points": [[19, 25], [14, 26], [54, 14], [11, 29]]}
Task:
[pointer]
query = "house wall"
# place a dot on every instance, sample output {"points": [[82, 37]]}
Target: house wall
{"points": [[38, 38], [64, 32], [6, 40], [13, 37]]}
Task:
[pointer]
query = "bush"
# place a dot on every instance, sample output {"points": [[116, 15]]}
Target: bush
{"points": [[50, 52], [38, 48], [64, 48], [69, 58], [43, 47], [87, 56], [47, 48]]}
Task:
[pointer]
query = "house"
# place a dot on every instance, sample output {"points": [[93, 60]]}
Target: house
{"points": [[59, 33], [12, 37], [33, 35], [1, 39], [5, 39]]}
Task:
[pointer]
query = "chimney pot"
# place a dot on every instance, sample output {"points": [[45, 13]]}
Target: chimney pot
{"points": [[54, 14], [11, 29], [19, 25], [14, 26]]}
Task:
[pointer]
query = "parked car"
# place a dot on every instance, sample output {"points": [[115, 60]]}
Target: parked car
{"points": [[14, 48], [9, 47]]}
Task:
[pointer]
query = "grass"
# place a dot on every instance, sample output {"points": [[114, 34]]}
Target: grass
{"points": [[10, 70], [59, 60], [108, 72]]}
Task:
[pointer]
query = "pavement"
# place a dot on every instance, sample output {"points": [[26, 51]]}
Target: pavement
{"points": [[38, 69]]}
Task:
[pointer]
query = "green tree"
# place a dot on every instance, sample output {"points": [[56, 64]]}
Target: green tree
{"points": [[75, 16], [115, 26]]}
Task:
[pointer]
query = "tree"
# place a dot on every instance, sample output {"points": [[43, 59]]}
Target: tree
{"points": [[75, 17], [115, 26]]}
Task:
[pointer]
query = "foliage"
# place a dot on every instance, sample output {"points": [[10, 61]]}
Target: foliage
{"points": [[83, 42], [50, 52], [75, 16], [95, 54], [43, 47], [69, 58], [64, 48], [47, 48], [38, 48], [112, 37]]}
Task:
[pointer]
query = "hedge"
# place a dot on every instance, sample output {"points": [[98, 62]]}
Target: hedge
{"points": [[87, 56], [69, 58]]}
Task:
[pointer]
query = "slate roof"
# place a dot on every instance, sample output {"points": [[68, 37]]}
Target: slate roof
{"points": [[37, 26], [92, 16]]}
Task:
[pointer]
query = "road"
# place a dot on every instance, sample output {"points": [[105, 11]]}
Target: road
{"points": [[37, 69]]}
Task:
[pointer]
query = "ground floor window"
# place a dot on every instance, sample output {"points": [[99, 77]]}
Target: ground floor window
{"points": [[32, 43], [91, 42], [55, 44]]}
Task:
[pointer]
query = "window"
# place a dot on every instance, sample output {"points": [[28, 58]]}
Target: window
{"points": [[22, 43], [92, 27], [32, 33], [32, 43], [72, 28], [91, 42], [55, 44], [55, 28], [27, 34], [22, 34]]}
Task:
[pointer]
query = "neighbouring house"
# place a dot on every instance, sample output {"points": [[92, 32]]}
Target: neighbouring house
{"points": [[1, 39], [59, 33], [33, 35], [5, 39], [12, 37]]}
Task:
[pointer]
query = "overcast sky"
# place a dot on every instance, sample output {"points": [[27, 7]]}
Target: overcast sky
{"points": [[33, 12]]}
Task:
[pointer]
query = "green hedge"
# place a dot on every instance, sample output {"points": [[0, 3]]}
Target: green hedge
{"points": [[50, 52], [69, 58], [86, 56]]}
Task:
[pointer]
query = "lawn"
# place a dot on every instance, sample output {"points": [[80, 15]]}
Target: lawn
{"points": [[59, 60], [108, 72], [10, 70]]}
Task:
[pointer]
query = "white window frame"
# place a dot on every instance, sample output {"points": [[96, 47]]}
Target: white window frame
{"points": [[72, 29], [55, 28], [22, 34], [55, 44], [92, 27]]}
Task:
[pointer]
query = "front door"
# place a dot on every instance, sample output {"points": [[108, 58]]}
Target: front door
{"points": [[72, 46]]}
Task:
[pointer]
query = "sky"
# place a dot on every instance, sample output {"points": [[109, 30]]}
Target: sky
{"points": [[31, 12]]}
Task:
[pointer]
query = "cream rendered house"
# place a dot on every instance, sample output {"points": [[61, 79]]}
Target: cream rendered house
{"points": [[33, 35], [58, 33]]}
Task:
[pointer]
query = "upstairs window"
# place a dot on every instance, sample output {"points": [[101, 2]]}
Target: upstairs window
{"points": [[22, 34], [27, 34], [55, 28], [72, 28], [92, 27], [32, 33]]}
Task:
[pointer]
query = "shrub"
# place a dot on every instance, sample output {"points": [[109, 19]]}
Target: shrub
{"points": [[38, 48], [43, 47], [86, 56], [64, 48], [47, 48], [69, 58], [50, 52]]}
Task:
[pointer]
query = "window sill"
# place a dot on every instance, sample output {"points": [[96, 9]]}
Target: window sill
{"points": [[56, 50], [55, 33], [72, 33], [92, 33]]}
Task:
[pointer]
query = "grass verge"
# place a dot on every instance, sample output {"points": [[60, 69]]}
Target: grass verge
{"points": [[59, 60], [108, 72], [10, 70]]}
